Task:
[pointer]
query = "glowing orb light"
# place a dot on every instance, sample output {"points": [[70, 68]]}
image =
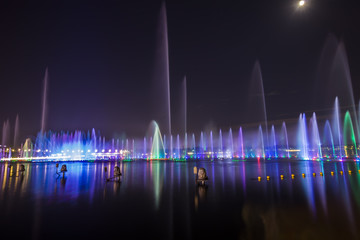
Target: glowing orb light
{"points": [[301, 3]]}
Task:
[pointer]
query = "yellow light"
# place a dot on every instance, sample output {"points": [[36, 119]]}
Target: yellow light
{"points": [[301, 3], [293, 150]]}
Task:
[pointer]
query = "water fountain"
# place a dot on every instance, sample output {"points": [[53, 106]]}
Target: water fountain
{"points": [[162, 75], [230, 151], [328, 141], [241, 144], [302, 137], [157, 147], [315, 137], [273, 150], [349, 137], [337, 140], [212, 145], [178, 151], [285, 140], [337, 129], [16, 131], [27, 150], [257, 103], [44, 102], [221, 149], [184, 101]]}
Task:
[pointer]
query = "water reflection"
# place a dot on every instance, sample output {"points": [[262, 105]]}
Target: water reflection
{"points": [[165, 196]]}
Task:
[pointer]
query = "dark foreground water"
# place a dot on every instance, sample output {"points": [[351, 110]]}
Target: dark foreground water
{"points": [[160, 200]]}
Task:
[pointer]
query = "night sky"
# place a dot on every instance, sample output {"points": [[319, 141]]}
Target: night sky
{"points": [[101, 57]]}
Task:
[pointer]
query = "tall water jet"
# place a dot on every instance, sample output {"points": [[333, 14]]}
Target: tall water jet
{"points": [[165, 146], [157, 148], [194, 145], [315, 137], [257, 106], [341, 84], [16, 131], [103, 145], [184, 101], [221, 149], [329, 140], [349, 137], [211, 144], [178, 153], [162, 76], [201, 147], [171, 147], [286, 139], [359, 113], [185, 145], [231, 145], [127, 154], [336, 82], [44, 102], [260, 149], [284, 142], [145, 149], [133, 149], [273, 142], [241, 144], [302, 137], [336, 128], [205, 146], [99, 144]]}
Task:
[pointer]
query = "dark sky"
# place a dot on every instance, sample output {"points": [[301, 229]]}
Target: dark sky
{"points": [[101, 58]]}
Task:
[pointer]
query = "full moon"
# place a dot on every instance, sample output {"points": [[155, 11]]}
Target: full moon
{"points": [[301, 3]]}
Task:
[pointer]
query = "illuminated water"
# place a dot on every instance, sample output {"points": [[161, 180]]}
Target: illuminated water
{"points": [[160, 200]]}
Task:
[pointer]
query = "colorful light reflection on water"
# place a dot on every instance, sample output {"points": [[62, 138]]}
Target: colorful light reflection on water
{"points": [[161, 197]]}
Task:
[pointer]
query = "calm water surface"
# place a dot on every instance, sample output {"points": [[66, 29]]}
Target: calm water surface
{"points": [[160, 200]]}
